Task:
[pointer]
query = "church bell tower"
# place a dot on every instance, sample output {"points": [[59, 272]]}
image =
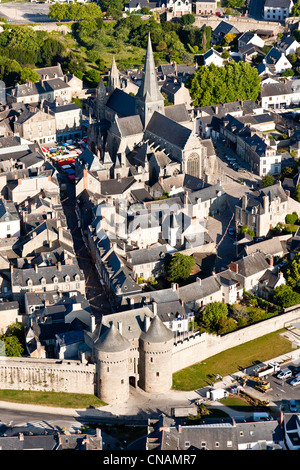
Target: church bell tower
{"points": [[149, 98]]}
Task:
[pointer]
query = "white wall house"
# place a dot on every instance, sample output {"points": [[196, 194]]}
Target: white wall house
{"points": [[279, 95], [9, 219], [277, 10], [212, 57], [250, 38]]}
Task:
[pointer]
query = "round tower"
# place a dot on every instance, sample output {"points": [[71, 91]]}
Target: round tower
{"points": [[156, 357], [112, 359]]}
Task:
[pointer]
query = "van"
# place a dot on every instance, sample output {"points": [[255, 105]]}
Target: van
{"points": [[284, 374]]}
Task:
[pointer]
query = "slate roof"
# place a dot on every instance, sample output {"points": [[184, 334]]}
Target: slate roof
{"points": [[157, 332], [224, 28], [147, 255], [252, 264], [199, 290], [112, 187], [130, 125], [277, 3], [168, 130], [177, 112], [8, 211], [38, 88], [20, 276], [122, 103]]}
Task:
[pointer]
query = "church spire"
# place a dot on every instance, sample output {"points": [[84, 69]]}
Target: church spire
{"points": [[114, 78], [149, 83], [149, 90]]}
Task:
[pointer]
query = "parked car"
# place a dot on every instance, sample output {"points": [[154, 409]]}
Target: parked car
{"points": [[293, 406], [295, 382], [285, 374]]}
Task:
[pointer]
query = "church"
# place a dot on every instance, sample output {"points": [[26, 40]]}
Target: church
{"points": [[125, 123]]}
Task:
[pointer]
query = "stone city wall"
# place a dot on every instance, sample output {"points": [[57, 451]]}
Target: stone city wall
{"points": [[200, 347], [46, 375], [242, 24]]}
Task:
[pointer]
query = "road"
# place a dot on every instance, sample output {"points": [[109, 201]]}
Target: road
{"points": [[25, 12], [94, 291], [256, 9]]}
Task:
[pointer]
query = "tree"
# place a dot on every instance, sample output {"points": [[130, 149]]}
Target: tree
{"points": [[215, 315], [291, 218], [295, 11], [10, 343], [30, 75], [296, 194], [211, 85], [285, 296], [178, 267], [187, 19], [293, 273], [57, 12], [268, 180]]}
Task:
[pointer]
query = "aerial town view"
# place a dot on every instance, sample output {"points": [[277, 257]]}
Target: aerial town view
{"points": [[150, 227]]}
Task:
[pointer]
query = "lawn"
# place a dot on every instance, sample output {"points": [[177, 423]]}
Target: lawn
{"points": [[232, 360], [63, 400]]}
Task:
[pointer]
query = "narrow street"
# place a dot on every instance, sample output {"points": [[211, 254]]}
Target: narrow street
{"points": [[94, 291]]}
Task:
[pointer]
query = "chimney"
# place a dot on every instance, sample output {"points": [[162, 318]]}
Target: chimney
{"points": [[36, 268], [92, 323], [59, 266], [271, 261], [198, 280], [120, 327], [179, 428], [147, 323], [175, 286], [154, 304], [234, 267], [21, 436]]}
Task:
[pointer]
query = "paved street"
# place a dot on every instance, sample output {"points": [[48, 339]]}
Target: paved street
{"points": [[94, 291]]}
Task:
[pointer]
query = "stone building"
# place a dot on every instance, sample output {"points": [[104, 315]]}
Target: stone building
{"points": [[131, 348], [126, 122]]}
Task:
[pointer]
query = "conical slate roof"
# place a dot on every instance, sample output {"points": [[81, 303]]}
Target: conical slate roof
{"points": [[157, 332], [112, 341], [149, 89]]}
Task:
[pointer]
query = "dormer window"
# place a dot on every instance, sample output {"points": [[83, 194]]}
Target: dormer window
{"points": [[29, 282], [77, 277], [43, 281], [55, 280], [67, 278]]}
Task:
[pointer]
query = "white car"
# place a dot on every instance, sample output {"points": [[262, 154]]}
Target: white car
{"points": [[295, 381], [284, 374]]}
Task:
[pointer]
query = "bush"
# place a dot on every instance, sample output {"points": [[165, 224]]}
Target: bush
{"points": [[291, 218]]}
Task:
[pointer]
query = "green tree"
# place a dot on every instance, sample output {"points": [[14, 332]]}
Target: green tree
{"points": [[291, 218], [211, 85], [187, 19], [296, 194], [268, 180], [295, 11], [11, 341], [58, 12], [214, 315], [293, 273], [178, 267], [285, 296], [29, 74]]}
